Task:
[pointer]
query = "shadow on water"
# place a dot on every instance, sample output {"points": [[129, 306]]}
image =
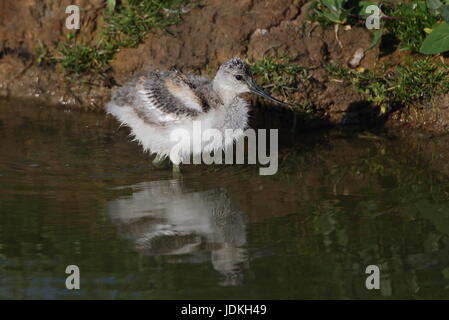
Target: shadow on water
{"points": [[74, 190]]}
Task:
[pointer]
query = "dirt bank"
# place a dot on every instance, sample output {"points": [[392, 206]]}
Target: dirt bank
{"points": [[210, 32]]}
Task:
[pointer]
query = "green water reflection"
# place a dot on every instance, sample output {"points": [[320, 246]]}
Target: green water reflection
{"points": [[74, 190]]}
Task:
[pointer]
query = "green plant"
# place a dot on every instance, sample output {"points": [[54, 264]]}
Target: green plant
{"points": [[331, 10], [77, 59], [126, 24], [374, 86], [410, 20], [281, 76], [412, 82], [438, 39], [111, 5], [42, 54], [129, 24]]}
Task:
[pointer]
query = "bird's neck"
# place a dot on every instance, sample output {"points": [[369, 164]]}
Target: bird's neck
{"points": [[225, 93]]}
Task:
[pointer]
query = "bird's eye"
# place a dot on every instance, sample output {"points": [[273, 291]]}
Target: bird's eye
{"points": [[239, 77]]}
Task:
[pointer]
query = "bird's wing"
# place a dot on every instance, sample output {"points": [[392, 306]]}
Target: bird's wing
{"points": [[169, 96]]}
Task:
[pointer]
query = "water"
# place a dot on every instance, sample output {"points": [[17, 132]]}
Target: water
{"points": [[74, 190]]}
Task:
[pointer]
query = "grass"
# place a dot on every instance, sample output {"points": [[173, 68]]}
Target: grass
{"points": [[318, 13], [282, 76], [406, 84], [78, 59], [412, 19], [406, 22], [415, 81], [42, 54], [126, 25], [129, 24]]}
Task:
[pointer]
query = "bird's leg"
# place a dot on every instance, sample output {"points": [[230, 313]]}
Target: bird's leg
{"points": [[176, 169], [176, 160], [160, 162]]}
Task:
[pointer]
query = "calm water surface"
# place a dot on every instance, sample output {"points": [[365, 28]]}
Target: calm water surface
{"points": [[75, 190]]}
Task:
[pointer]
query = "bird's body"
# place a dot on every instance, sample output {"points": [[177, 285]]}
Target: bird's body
{"points": [[156, 103]]}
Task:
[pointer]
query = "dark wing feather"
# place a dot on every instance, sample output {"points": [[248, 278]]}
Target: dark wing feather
{"points": [[170, 96]]}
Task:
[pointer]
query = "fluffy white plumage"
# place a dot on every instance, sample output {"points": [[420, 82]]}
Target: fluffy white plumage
{"points": [[157, 103]]}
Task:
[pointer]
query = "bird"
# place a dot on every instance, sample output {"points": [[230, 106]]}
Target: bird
{"points": [[154, 103]]}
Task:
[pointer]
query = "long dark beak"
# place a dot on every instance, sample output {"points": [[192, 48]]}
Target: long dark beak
{"points": [[255, 89]]}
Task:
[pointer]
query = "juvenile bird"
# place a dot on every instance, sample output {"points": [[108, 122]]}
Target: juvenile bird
{"points": [[156, 103]]}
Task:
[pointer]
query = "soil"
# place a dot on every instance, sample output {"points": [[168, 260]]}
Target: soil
{"points": [[209, 34]]}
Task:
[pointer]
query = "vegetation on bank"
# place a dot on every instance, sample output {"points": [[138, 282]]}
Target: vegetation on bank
{"points": [[410, 25], [393, 86], [126, 23], [420, 27], [283, 77]]}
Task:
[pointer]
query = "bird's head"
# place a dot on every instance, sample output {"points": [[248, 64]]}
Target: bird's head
{"points": [[235, 77]]}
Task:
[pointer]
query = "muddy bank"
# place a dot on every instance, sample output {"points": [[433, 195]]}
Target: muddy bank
{"points": [[210, 32]]}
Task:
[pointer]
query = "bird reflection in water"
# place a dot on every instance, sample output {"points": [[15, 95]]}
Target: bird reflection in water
{"points": [[165, 218]]}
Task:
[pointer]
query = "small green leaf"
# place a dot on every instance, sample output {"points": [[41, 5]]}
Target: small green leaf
{"points": [[334, 5], [331, 5], [434, 4], [376, 39], [365, 4], [339, 4], [111, 5], [437, 41], [444, 10], [334, 17]]}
